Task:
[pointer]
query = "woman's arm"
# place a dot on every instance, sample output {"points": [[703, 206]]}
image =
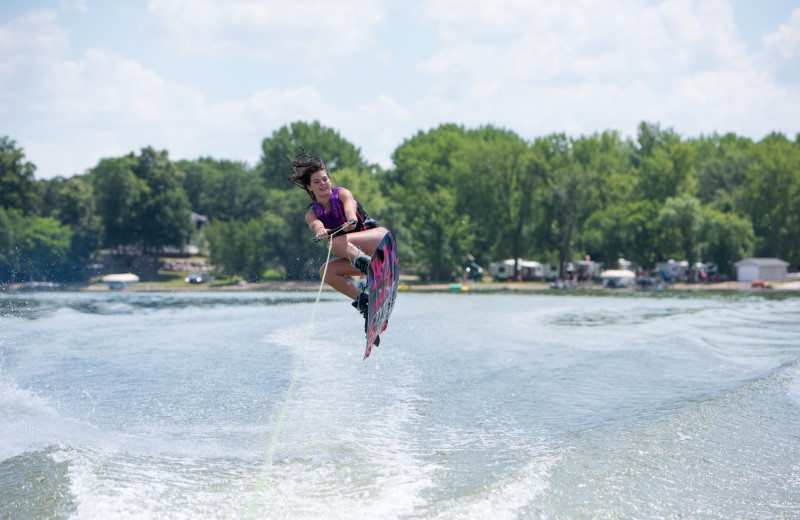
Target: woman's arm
{"points": [[315, 224]]}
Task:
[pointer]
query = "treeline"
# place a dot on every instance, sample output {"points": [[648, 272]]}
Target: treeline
{"points": [[485, 192]]}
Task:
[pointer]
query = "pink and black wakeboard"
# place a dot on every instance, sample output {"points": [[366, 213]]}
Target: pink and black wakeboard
{"points": [[383, 278]]}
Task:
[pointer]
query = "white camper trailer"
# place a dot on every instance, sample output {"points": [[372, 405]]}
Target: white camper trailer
{"points": [[529, 271]]}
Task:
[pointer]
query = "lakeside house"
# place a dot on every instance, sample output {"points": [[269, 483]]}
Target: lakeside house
{"points": [[767, 269]]}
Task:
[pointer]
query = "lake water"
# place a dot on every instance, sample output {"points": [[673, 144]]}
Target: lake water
{"points": [[551, 406]]}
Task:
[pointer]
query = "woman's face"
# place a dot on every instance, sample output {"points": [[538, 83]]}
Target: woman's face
{"points": [[320, 184]]}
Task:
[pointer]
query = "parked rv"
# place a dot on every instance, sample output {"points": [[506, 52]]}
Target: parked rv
{"points": [[529, 271]]}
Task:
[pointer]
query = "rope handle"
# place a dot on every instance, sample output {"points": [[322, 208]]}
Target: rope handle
{"points": [[350, 222]]}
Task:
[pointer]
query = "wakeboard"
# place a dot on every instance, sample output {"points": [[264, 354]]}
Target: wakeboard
{"points": [[383, 277]]}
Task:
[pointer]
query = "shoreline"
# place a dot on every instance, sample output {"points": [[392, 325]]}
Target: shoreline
{"points": [[289, 286]]}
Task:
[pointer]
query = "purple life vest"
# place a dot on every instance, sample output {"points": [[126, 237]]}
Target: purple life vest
{"points": [[336, 217]]}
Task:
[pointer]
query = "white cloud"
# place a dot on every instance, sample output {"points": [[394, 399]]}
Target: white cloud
{"points": [[533, 66], [785, 41], [99, 106], [74, 5], [584, 65], [104, 104], [305, 33], [27, 44]]}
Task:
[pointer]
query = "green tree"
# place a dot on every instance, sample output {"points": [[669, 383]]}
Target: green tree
{"points": [[71, 202], [722, 163], [606, 235], [726, 239], [442, 235], [425, 162], [569, 204], [680, 220], [224, 190], [293, 243], [243, 248], [119, 195], [166, 216], [666, 173], [497, 178], [141, 201], [429, 168], [16, 178], [612, 159], [771, 197], [32, 248], [325, 143], [650, 137], [568, 199], [642, 232]]}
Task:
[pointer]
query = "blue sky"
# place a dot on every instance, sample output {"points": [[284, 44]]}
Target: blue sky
{"points": [[84, 79]]}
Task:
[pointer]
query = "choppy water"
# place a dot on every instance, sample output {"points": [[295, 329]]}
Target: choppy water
{"points": [[141, 405]]}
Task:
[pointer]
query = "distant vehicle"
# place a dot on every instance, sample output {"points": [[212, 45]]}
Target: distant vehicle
{"points": [[528, 270], [197, 278]]}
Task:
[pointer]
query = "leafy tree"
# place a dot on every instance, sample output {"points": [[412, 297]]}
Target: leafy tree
{"points": [[165, 209], [726, 239], [666, 173], [325, 143], [442, 235], [32, 248], [568, 199], [16, 178], [569, 204], [771, 197], [722, 163], [119, 197], [497, 179], [680, 219], [244, 248], [425, 162], [293, 245], [426, 167], [612, 159], [642, 233], [224, 190], [606, 235], [71, 202], [141, 201], [650, 137]]}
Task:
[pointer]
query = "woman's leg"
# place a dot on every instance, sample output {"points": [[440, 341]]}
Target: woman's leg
{"points": [[338, 276], [347, 247]]}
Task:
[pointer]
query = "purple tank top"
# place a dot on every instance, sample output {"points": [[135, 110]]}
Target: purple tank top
{"points": [[336, 217]]}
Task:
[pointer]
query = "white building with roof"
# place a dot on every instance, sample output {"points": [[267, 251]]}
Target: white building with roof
{"points": [[767, 269]]}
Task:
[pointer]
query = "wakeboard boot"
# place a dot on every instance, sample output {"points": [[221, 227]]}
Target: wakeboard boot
{"points": [[361, 304], [362, 262]]}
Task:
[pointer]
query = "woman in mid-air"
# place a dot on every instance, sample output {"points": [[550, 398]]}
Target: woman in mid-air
{"points": [[332, 209]]}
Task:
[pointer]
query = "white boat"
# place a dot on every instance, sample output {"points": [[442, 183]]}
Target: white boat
{"points": [[618, 278], [116, 282]]}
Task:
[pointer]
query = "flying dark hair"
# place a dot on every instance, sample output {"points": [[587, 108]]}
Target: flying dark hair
{"points": [[303, 166]]}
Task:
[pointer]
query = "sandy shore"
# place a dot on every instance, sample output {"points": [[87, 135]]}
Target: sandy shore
{"points": [[454, 287]]}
